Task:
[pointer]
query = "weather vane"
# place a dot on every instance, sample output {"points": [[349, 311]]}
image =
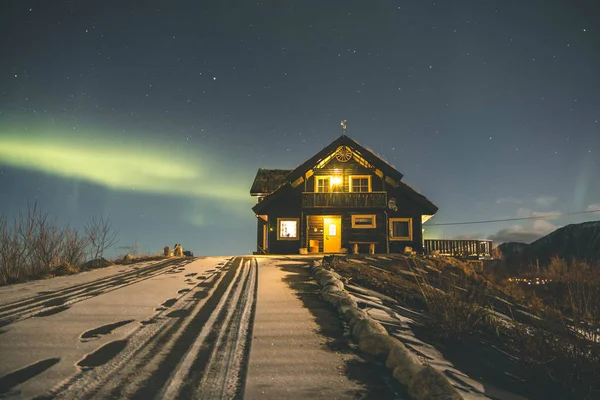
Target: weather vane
{"points": [[343, 124]]}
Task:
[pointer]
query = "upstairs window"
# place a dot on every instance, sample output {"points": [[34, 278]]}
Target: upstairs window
{"points": [[360, 183], [401, 228], [322, 184]]}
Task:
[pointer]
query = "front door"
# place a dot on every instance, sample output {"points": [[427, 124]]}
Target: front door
{"points": [[332, 234]]}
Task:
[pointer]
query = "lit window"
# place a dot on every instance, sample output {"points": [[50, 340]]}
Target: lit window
{"points": [[332, 230], [401, 228], [287, 228], [360, 183], [363, 221], [322, 184]]}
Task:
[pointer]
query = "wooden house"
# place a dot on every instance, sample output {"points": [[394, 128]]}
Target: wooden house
{"points": [[345, 198]]}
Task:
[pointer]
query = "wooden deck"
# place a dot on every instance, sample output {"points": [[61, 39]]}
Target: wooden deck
{"points": [[464, 248]]}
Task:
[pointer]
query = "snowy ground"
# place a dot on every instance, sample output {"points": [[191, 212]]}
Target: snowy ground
{"points": [[81, 336], [299, 350], [209, 328]]}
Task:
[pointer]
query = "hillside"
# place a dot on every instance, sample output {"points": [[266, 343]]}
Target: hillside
{"points": [[580, 241]]}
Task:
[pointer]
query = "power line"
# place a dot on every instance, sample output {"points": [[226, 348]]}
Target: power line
{"points": [[516, 219]]}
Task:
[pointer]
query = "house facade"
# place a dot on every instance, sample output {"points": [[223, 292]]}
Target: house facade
{"points": [[345, 198]]}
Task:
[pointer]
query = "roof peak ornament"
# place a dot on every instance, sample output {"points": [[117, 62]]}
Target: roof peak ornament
{"points": [[343, 124]]}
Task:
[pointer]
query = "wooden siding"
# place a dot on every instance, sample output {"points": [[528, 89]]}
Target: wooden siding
{"points": [[291, 206], [349, 234], [288, 207], [315, 222], [397, 246], [345, 170]]}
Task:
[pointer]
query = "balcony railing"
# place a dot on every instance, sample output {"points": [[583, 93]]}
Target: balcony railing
{"points": [[344, 199], [466, 248]]}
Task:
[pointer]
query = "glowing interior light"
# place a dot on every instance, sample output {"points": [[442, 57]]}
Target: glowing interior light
{"points": [[336, 180]]}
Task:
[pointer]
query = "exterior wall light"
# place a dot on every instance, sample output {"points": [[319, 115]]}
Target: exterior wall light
{"points": [[336, 180]]}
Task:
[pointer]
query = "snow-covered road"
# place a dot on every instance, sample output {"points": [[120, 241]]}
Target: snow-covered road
{"points": [[208, 328], [166, 330]]}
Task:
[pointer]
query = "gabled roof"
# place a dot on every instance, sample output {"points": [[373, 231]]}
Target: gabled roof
{"points": [[344, 140], [284, 185], [428, 206], [268, 181]]}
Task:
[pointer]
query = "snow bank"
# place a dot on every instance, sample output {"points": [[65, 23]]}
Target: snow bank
{"points": [[423, 381]]}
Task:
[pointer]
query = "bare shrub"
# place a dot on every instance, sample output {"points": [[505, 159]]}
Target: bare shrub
{"points": [[17, 246], [497, 253], [100, 235], [33, 245], [46, 245], [565, 359], [557, 269], [458, 307], [74, 248]]}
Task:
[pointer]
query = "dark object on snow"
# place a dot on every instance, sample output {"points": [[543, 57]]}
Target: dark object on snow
{"points": [[99, 263], [188, 253], [328, 259]]}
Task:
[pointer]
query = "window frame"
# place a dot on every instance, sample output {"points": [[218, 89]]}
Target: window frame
{"points": [[279, 237], [410, 229], [322, 178], [369, 186], [370, 226]]}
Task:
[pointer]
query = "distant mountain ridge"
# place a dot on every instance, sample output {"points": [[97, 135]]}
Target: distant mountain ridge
{"points": [[579, 241]]}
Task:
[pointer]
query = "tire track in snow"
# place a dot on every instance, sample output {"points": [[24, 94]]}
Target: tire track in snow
{"points": [[217, 371], [204, 351], [57, 301]]}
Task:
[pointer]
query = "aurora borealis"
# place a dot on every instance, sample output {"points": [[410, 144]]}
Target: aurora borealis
{"points": [[159, 113]]}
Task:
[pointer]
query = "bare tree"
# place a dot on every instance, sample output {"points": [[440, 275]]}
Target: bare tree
{"points": [[47, 244], [7, 265], [74, 246], [100, 236]]}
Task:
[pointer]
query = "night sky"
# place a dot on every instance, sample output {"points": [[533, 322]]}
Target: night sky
{"points": [[159, 113]]}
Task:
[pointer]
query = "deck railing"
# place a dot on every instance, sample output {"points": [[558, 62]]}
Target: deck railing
{"points": [[344, 199], [480, 248]]}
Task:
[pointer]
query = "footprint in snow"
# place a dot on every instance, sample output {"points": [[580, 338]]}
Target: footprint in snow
{"points": [[168, 303], [102, 355], [102, 330], [178, 313], [201, 294], [54, 302], [12, 379], [183, 291], [51, 311], [192, 274]]}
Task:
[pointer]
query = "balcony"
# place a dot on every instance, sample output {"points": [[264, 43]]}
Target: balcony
{"points": [[344, 200]]}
